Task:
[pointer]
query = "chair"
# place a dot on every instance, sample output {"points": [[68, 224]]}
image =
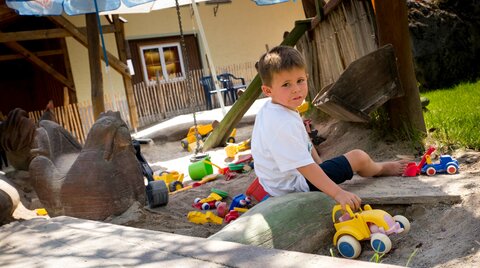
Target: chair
{"points": [[208, 87], [231, 83]]}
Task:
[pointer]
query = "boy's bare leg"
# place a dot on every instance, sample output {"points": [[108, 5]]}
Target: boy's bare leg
{"points": [[364, 166]]}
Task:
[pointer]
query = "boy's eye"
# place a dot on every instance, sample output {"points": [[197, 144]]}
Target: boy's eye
{"points": [[286, 85], [301, 81]]}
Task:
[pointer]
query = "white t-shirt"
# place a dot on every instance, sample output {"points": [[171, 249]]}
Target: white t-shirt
{"points": [[280, 145]]}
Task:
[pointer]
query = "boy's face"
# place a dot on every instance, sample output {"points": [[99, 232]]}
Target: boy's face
{"points": [[289, 88]]}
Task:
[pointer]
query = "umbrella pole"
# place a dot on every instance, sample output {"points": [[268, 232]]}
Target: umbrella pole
{"points": [[209, 56]]}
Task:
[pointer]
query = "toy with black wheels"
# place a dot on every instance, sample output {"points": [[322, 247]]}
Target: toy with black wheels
{"points": [[157, 193]]}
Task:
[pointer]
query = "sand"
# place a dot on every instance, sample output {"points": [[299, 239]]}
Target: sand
{"points": [[442, 235]]}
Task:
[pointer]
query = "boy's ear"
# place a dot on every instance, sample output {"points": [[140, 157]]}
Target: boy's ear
{"points": [[266, 90]]}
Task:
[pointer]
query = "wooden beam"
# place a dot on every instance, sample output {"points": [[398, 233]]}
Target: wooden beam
{"points": [[38, 54], [44, 34], [36, 60], [116, 64], [127, 81], [95, 65]]}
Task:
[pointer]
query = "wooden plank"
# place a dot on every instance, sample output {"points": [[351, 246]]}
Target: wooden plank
{"points": [[403, 190], [75, 123], [78, 120], [33, 35], [38, 54], [412, 199], [45, 34], [160, 101], [365, 85]]}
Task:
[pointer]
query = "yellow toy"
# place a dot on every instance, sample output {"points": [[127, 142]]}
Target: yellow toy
{"points": [[203, 131], [233, 148], [303, 108], [210, 197], [212, 201], [200, 218], [367, 224], [172, 179], [41, 212]]}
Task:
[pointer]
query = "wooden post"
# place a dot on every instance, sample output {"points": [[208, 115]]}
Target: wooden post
{"points": [[392, 24], [98, 104], [127, 80], [241, 106], [68, 68]]}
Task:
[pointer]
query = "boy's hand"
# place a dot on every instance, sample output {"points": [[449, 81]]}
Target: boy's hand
{"points": [[346, 198]]}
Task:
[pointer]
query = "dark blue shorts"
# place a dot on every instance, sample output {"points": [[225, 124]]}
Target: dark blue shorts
{"points": [[338, 169]]}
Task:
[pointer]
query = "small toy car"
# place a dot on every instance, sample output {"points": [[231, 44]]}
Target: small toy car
{"points": [[172, 179], [212, 201], [239, 201], [201, 132], [446, 165], [367, 224], [231, 216]]}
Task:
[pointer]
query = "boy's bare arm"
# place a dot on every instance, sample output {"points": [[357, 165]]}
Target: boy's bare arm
{"points": [[317, 177], [316, 157]]}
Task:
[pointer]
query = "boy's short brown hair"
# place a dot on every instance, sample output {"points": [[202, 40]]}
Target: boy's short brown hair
{"points": [[278, 59]]}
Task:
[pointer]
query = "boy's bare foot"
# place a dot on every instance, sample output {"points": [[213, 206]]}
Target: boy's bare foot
{"points": [[392, 168]]}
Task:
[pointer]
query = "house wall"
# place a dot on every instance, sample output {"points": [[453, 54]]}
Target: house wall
{"points": [[239, 32]]}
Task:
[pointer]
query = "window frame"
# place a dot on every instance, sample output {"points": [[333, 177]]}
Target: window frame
{"points": [[160, 47]]}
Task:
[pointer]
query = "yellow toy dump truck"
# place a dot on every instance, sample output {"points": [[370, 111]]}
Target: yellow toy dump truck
{"points": [[172, 179], [203, 131], [375, 225]]}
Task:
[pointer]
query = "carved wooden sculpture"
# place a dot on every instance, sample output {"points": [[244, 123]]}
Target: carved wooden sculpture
{"points": [[99, 180], [104, 179]]}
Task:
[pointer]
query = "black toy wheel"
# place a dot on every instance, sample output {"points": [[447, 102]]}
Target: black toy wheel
{"points": [[175, 185], [184, 144], [157, 193]]}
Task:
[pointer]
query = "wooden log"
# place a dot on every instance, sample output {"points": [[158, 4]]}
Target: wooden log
{"points": [[297, 221], [406, 112]]}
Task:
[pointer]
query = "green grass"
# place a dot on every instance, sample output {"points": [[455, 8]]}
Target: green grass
{"points": [[454, 116]]}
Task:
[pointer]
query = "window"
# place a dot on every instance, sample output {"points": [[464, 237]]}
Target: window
{"points": [[163, 61]]}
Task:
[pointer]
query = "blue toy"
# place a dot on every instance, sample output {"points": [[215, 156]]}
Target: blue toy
{"points": [[446, 165], [239, 201]]}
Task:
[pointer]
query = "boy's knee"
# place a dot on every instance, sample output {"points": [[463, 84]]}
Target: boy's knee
{"points": [[358, 157]]}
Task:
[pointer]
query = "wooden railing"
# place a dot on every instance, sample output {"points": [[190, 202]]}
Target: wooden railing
{"points": [[78, 118], [160, 101]]}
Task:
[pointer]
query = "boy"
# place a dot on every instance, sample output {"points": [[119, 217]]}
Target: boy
{"points": [[285, 160]]}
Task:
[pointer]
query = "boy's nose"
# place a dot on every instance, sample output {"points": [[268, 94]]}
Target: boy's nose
{"points": [[295, 88]]}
